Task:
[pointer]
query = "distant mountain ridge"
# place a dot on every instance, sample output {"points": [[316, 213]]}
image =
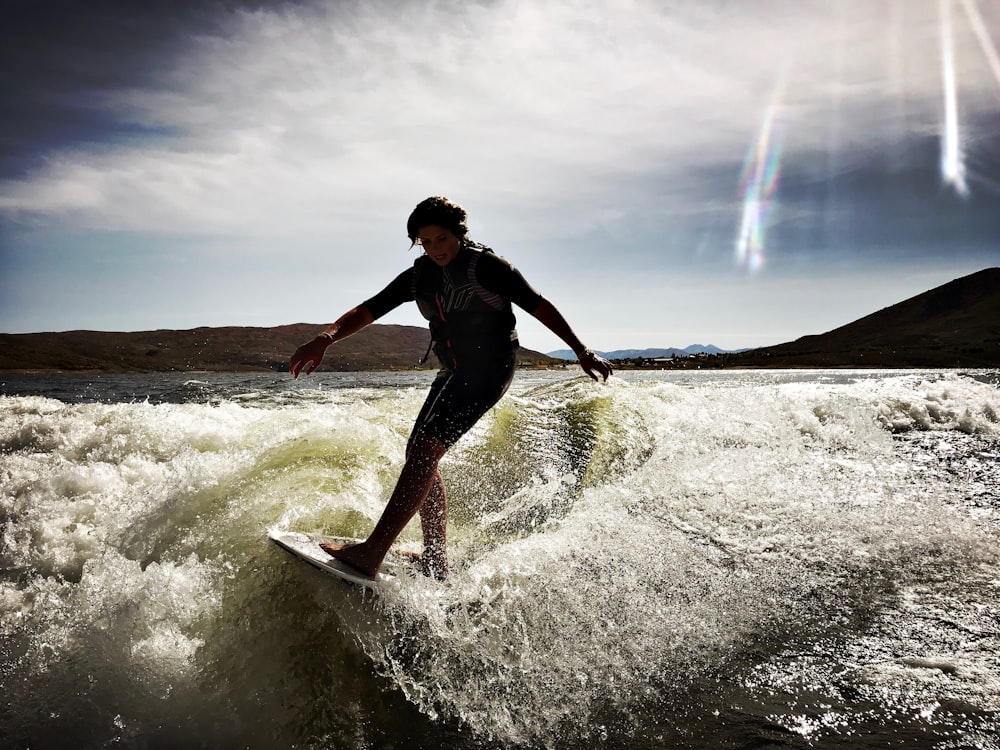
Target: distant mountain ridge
{"points": [[646, 353], [954, 325], [223, 349]]}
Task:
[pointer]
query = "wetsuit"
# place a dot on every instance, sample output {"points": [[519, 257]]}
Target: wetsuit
{"points": [[468, 306]]}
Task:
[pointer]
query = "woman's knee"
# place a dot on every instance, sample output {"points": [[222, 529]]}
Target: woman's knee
{"points": [[425, 449]]}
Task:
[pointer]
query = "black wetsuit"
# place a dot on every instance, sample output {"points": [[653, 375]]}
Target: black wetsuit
{"points": [[468, 306]]}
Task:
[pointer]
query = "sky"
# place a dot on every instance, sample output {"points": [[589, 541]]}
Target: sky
{"points": [[666, 172]]}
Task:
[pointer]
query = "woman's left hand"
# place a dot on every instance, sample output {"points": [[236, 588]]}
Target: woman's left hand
{"points": [[592, 363], [308, 356]]}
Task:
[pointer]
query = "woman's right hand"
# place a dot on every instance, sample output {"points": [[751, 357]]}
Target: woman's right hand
{"points": [[308, 356]]}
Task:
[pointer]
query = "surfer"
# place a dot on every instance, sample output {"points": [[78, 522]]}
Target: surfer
{"points": [[465, 292]]}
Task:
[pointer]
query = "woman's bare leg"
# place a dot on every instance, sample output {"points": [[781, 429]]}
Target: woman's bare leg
{"points": [[433, 523], [419, 474]]}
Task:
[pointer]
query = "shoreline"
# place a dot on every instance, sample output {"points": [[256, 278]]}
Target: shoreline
{"points": [[618, 368]]}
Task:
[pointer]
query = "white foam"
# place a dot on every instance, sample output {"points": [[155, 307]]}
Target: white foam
{"points": [[756, 508], [609, 540]]}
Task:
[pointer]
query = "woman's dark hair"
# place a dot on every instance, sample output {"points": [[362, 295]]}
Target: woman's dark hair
{"points": [[439, 211]]}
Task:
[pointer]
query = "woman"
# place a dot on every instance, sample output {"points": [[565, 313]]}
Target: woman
{"points": [[465, 292]]}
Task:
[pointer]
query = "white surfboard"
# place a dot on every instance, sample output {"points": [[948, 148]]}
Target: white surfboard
{"points": [[306, 547]]}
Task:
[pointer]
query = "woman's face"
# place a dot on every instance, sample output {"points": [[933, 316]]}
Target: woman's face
{"points": [[439, 243]]}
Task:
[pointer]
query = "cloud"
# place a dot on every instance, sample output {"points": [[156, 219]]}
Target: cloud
{"points": [[599, 143], [317, 115]]}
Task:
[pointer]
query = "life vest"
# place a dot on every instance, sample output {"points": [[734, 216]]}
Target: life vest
{"points": [[470, 325]]}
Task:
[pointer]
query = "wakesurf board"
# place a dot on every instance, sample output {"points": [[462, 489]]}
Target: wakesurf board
{"points": [[306, 548]]}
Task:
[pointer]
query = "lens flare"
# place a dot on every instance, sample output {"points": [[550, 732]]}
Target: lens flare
{"points": [[983, 35], [952, 162], [759, 178]]}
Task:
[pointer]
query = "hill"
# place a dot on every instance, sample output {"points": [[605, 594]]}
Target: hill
{"points": [[954, 325], [225, 349]]}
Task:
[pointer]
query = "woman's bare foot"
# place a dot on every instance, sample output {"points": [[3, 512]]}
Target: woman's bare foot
{"points": [[352, 555]]}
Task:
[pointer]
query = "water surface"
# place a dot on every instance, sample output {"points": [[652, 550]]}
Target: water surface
{"points": [[701, 560]]}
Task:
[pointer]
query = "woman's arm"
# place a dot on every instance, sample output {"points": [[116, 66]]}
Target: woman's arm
{"points": [[552, 319], [308, 356]]}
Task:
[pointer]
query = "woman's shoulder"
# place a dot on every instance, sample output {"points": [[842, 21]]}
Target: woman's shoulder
{"points": [[486, 257]]}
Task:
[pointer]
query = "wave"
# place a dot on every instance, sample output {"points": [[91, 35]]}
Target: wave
{"points": [[624, 553]]}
